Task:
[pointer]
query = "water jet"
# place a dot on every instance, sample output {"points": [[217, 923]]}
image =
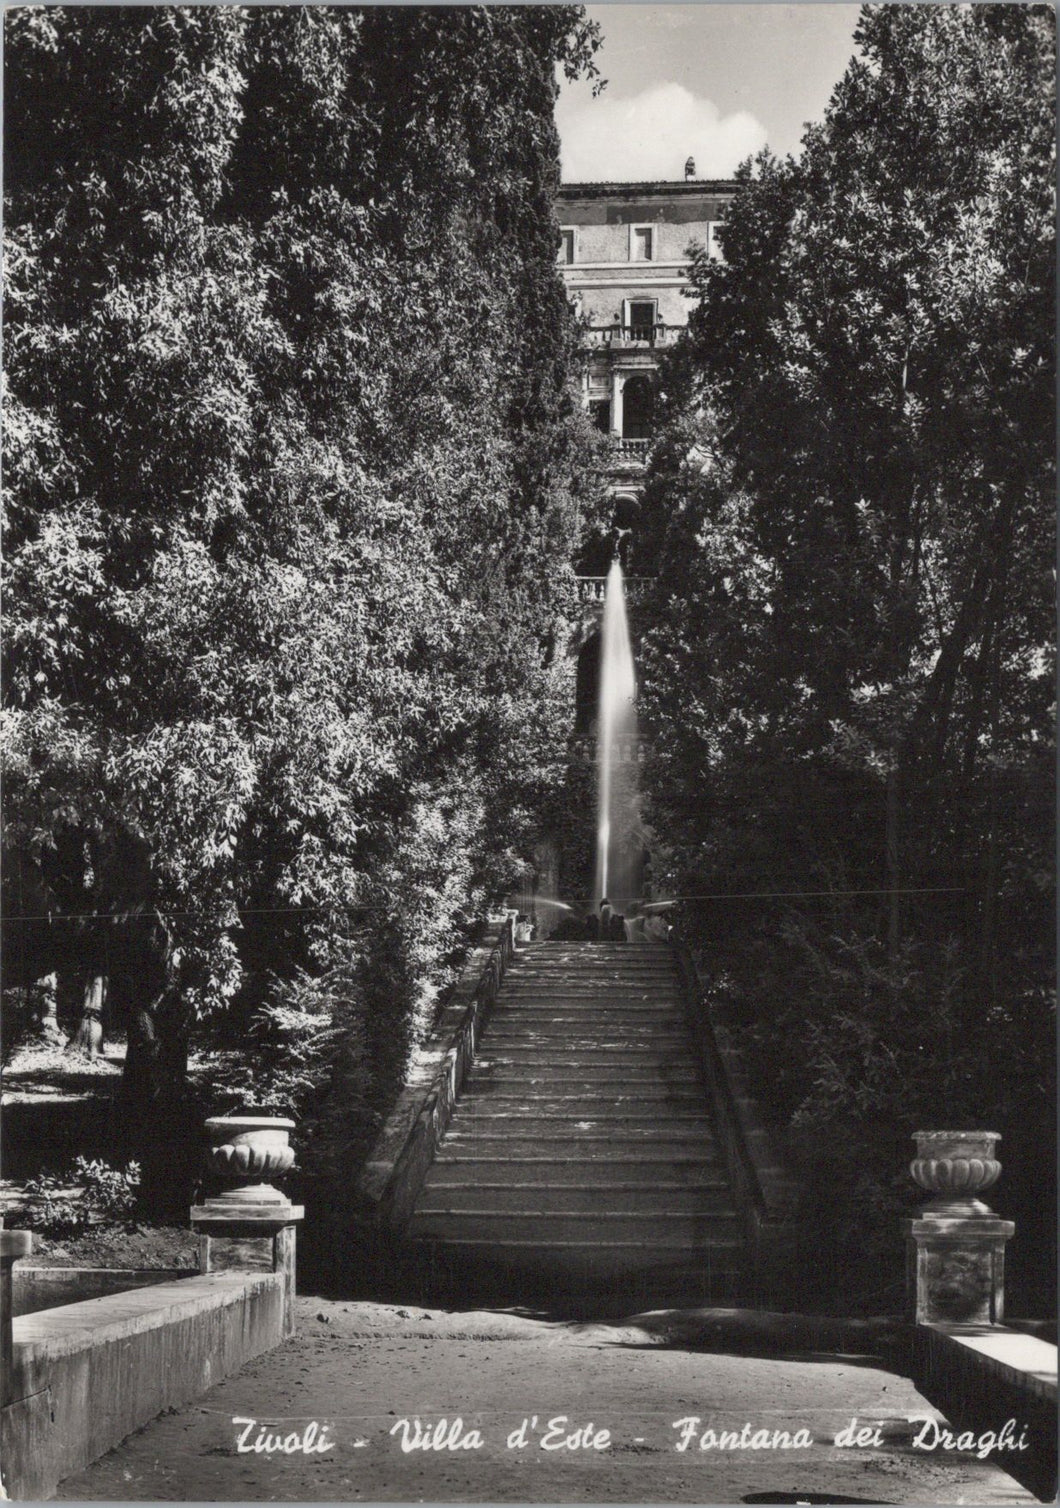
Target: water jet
{"points": [[617, 858]]}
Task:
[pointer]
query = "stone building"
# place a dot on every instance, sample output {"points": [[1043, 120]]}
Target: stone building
{"points": [[623, 253]]}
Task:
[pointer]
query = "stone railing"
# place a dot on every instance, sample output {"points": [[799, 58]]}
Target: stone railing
{"points": [[616, 336], [767, 1195], [633, 450], [628, 751], [593, 588], [398, 1163]]}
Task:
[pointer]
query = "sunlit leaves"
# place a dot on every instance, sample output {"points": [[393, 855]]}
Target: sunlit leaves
{"points": [[295, 469]]}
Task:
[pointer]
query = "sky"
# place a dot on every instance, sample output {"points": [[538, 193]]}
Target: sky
{"points": [[714, 81]]}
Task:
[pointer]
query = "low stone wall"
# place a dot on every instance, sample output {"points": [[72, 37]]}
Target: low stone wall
{"points": [[397, 1166], [36, 1288], [981, 1377], [86, 1375]]}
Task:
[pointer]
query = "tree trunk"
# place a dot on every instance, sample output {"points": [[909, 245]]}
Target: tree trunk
{"points": [[88, 1038], [157, 1124], [156, 1119]]}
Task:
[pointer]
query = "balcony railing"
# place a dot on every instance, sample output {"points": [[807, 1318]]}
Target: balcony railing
{"points": [[632, 450], [596, 336], [628, 751], [592, 588]]}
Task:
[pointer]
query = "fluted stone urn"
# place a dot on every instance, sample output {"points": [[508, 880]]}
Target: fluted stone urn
{"points": [[955, 1166], [246, 1151], [955, 1243], [250, 1227]]}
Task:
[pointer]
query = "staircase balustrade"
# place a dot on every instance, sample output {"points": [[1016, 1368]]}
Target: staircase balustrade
{"points": [[399, 1162], [603, 337], [767, 1196], [593, 588], [634, 752]]}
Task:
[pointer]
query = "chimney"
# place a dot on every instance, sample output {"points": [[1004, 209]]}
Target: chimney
{"points": [[690, 169]]}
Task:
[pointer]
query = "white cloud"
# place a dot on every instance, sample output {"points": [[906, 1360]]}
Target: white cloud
{"points": [[651, 134]]}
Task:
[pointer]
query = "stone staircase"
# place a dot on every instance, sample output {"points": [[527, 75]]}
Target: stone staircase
{"points": [[582, 1149]]}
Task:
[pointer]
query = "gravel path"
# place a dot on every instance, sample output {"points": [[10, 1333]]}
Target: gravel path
{"points": [[359, 1369]]}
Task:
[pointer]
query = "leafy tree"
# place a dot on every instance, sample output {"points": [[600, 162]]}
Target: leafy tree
{"points": [[294, 474], [853, 635]]}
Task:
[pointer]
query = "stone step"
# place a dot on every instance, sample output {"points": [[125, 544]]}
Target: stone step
{"points": [[697, 1167], [588, 1024], [616, 966], [541, 1102], [591, 1075], [661, 1001], [585, 1003], [601, 1141], [591, 979], [606, 1055], [485, 1083], [584, 994], [593, 974], [442, 1193], [557, 1040], [526, 1114], [568, 1097], [578, 994], [649, 1008], [591, 1019], [647, 993], [614, 961], [590, 945], [543, 1045], [588, 1014], [548, 1045], [655, 1230], [592, 955]]}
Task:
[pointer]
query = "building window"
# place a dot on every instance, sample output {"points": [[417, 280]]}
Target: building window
{"points": [[566, 245], [642, 319], [600, 412], [638, 408], [642, 243]]}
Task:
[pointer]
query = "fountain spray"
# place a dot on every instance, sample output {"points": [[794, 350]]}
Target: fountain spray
{"points": [[617, 730]]}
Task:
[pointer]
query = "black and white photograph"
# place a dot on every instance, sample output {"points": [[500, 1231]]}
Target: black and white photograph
{"points": [[529, 759]]}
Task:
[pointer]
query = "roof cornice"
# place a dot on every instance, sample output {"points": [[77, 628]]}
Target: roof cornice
{"points": [[681, 187]]}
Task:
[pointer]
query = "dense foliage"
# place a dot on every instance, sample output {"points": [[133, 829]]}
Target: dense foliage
{"points": [[294, 475], [850, 670]]}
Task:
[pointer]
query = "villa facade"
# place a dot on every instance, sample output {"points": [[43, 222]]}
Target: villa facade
{"points": [[624, 257]]}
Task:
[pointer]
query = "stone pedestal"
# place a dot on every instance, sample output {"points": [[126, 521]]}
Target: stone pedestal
{"points": [[13, 1245], [955, 1247], [955, 1269], [241, 1238]]}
